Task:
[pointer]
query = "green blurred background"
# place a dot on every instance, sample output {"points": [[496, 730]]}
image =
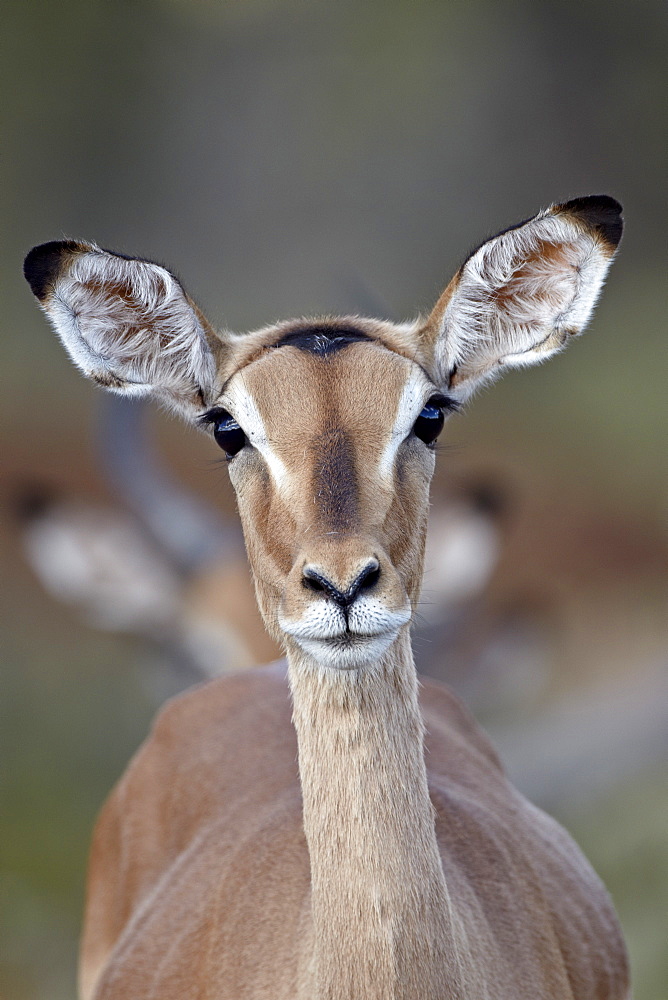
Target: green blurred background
{"points": [[288, 157]]}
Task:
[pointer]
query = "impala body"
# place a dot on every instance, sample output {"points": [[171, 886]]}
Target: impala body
{"points": [[325, 827]]}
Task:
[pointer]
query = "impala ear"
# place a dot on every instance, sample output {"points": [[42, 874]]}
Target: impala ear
{"points": [[521, 295], [127, 323]]}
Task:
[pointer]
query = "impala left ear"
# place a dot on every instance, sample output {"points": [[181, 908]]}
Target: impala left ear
{"points": [[522, 295], [127, 323]]}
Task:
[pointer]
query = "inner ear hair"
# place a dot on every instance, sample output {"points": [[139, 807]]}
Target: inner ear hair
{"points": [[126, 322], [522, 294]]}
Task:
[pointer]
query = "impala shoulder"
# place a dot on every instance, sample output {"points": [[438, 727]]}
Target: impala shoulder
{"points": [[182, 769], [230, 700], [450, 725]]}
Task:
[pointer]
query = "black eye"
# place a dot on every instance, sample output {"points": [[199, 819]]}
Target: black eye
{"points": [[227, 433], [430, 422]]}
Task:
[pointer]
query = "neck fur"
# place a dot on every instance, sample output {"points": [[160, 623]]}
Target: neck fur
{"points": [[382, 921]]}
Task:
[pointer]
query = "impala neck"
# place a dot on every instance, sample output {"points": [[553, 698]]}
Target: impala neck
{"points": [[382, 922]]}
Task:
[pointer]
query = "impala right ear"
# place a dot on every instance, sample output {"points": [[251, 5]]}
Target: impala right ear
{"points": [[521, 296], [127, 323]]}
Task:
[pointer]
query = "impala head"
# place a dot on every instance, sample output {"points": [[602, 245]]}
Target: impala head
{"points": [[329, 425]]}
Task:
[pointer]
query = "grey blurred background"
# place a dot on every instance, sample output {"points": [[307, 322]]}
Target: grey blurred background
{"points": [[287, 158]]}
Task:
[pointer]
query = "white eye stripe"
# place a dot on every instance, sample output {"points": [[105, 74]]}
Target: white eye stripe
{"points": [[244, 409], [413, 398]]}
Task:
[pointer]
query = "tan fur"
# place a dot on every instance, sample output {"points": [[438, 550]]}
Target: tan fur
{"points": [[200, 873], [245, 855]]}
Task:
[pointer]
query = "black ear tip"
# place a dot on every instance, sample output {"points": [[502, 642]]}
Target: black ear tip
{"points": [[601, 212], [44, 262]]}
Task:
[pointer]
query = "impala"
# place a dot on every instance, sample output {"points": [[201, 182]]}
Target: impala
{"points": [[326, 828]]}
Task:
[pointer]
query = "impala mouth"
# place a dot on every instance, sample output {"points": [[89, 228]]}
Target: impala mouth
{"points": [[352, 640], [346, 640], [347, 650]]}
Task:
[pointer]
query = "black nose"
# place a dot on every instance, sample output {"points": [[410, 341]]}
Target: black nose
{"points": [[365, 580]]}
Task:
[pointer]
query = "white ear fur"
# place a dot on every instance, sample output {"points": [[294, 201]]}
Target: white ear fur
{"points": [[521, 295], [126, 323]]}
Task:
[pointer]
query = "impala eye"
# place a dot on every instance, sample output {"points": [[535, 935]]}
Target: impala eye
{"points": [[229, 436], [430, 422], [227, 432]]}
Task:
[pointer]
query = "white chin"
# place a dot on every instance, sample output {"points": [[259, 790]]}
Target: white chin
{"points": [[347, 653]]}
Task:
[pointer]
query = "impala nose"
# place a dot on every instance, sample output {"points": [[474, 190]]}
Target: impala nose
{"points": [[366, 580]]}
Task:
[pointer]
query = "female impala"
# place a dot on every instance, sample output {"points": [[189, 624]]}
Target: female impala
{"points": [[369, 847]]}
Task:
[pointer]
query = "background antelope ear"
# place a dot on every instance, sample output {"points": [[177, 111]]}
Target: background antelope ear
{"points": [[127, 323], [521, 295]]}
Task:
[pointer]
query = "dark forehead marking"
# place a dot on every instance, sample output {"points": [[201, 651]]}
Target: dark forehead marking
{"points": [[335, 480], [341, 334], [321, 340]]}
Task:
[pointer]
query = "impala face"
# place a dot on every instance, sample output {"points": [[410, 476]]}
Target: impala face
{"points": [[332, 468], [328, 424]]}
